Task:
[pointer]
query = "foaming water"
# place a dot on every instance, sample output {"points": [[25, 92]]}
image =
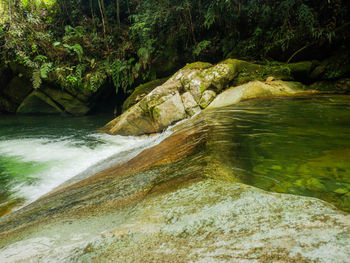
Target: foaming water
{"points": [[47, 151]]}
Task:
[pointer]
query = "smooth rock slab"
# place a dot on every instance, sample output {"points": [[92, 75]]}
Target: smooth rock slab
{"points": [[203, 221]]}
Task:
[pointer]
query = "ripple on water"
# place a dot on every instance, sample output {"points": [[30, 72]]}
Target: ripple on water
{"points": [[288, 145]]}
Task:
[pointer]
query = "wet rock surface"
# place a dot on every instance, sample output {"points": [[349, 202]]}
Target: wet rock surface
{"points": [[171, 203]]}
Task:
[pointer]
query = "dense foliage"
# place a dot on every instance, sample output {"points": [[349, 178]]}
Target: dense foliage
{"points": [[84, 43]]}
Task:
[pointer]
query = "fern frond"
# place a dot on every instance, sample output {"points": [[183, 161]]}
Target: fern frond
{"points": [[45, 69], [36, 78]]}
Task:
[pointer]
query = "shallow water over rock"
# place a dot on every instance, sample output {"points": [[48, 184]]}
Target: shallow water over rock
{"points": [[187, 199], [287, 145]]}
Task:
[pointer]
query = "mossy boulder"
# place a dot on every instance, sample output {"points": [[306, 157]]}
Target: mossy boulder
{"points": [[141, 91], [175, 100], [67, 101], [39, 103], [301, 70], [195, 86], [82, 94], [333, 68]]}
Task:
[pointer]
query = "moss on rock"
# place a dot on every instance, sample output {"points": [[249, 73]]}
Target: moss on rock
{"points": [[198, 65], [141, 91]]}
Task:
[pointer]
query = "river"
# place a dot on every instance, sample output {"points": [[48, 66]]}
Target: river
{"points": [[298, 146], [199, 188], [38, 154]]}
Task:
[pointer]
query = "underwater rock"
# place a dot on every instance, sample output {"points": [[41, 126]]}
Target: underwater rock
{"points": [[197, 222]]}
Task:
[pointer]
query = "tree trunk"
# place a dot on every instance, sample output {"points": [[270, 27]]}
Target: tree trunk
{"points": [[118, 12], [101, 5]]}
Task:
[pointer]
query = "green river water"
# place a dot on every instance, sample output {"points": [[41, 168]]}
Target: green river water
{"points": [[299, 146]]}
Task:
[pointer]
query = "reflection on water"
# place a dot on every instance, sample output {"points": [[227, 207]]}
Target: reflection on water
{"points": [[289, 145]]}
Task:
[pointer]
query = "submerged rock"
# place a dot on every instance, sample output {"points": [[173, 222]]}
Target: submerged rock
{"points": [[198, 221], [212, 219]]}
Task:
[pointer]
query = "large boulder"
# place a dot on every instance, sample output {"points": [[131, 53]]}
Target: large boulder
{"points": [[48, 100], [67, 101], [38, 103], [193, 88], [178, 98]]}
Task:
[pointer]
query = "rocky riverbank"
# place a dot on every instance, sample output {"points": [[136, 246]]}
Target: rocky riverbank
{"points": [[194, 87]]}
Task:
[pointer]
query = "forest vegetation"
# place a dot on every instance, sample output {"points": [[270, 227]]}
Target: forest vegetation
{"points": [[85, 44]]}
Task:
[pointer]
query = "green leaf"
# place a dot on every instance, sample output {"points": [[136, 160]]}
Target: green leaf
{"points": [[40, 58]]}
